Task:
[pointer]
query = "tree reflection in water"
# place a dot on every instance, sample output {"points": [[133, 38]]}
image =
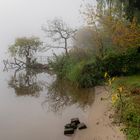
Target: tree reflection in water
{"points": [[62, 94], [25, 83]]}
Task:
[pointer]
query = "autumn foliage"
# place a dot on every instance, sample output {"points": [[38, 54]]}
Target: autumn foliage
{"points": [[126, 35]]}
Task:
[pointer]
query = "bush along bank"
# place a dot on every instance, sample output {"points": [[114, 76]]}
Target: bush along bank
{"points": [[125, 99], [90, 72]]}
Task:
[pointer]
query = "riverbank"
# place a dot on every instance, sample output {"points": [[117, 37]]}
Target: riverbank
{"points": [[99, 122]]}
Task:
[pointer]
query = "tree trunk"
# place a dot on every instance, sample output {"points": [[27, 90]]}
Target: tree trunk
{"points": [[28, 59], [66, 49]]}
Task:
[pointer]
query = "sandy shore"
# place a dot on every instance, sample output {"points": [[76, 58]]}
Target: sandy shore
{"points": [[99, 123]]}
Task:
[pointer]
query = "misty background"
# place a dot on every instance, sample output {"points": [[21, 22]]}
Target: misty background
{"points": [[20, 18]]}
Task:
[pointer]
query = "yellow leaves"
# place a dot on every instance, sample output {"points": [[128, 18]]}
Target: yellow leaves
{"points": [[134, 24], [105, 75], [113, 78], [117, 95], [114, 98], [120, 89], [126, 34], [109, 80]]}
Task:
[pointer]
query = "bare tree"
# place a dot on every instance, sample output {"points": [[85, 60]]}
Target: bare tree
{"points": [[59, 32]]}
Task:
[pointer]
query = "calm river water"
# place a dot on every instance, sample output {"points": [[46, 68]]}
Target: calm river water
{"points": [[36, 106]]}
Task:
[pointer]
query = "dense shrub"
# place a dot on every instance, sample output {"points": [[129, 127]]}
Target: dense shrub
{"points": [[59, 65], [92, 74], [127, 63], [66, 67], [74, 72]]}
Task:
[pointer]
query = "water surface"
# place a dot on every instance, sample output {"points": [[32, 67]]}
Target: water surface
{"points": [[36, 106]]}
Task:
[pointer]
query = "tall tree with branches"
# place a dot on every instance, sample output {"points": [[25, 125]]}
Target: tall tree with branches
{"points": [[24, 49], [59, 32]]}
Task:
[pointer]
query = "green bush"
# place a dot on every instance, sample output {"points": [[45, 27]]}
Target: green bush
{"points": [[127, 63], [133, 133], [74, 72], [92, 74], [59, 64], [131, 118]]}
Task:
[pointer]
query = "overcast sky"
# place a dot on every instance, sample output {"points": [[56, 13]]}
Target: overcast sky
{"points": [[25, 17]]}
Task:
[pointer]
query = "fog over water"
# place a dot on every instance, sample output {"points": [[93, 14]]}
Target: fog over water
{"points": [[25, 17], [33, 104]]}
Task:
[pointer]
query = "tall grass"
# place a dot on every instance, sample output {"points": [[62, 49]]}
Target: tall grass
{"points": [[130, 114]]}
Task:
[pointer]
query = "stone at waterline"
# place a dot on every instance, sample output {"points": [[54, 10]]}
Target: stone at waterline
{"points": [[75, 120], [68, 131], [74, 125], [68, 125], [82, 126], [71, 125]]}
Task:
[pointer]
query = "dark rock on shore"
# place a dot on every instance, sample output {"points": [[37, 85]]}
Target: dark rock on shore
{"points": [[75, 123], [68, 125], [75, 120], [82, 126], [68, 131]]}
